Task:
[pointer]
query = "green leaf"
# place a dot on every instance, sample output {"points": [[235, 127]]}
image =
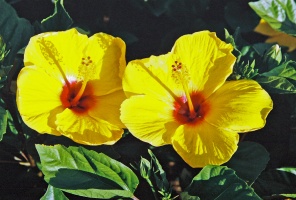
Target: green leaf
{"points": [[285, 70], [185, 195], [68, 178], [220, 183], [15, 31], [275, 182], [92, 174], [3, 122], [288, 169], [274, 84], [59, 21], [4, 70], [289, 195], [53, 193], [249, 161], [281, 79], [279, 14], [159, 174]]}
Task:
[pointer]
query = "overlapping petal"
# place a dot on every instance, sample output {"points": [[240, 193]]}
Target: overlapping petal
{"points": [[88, 130], [149, 119], [108, 108], [38, 103], [109, 53]]}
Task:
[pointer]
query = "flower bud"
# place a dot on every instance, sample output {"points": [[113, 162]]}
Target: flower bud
{"points": [[272, 57]]}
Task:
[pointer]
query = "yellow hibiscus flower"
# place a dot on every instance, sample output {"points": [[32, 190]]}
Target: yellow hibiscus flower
{"points": [[183, 99], [71, 85]]}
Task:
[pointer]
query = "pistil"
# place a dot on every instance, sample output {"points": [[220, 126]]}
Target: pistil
{"points": [[180, 74], [75, 101], [192, 113]]}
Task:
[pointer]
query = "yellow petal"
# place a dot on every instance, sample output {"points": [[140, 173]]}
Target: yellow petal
{"points": [[204, 144], [283, 40], [38, 99], [151, 76], [108, 56], [280, 38], [108, 108], [208, 60], [149, 119], [239, 106], [85, 129], [56, 51], [265, 29]]}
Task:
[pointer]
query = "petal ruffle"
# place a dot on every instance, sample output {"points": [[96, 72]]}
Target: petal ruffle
{"points": [[88, 130], [204, 144], [149, 119], [208, 60], [38, 99], [53, 50], [239, 106]]}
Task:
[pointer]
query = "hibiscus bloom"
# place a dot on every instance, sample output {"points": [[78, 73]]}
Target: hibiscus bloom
{"points": [[183, 99], [71, 86]]}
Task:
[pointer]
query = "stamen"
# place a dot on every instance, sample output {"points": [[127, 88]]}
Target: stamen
{"points": [[74, 102], [180, 73]]}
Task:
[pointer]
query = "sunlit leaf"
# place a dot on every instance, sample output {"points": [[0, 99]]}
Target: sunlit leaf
{"points": [[59, 21], [220, 183], [286, 70], [249, 161], [289, 195], [89, 173], [15, 31], [279, 14], [281, 79], [288, 169], [53, 193]]}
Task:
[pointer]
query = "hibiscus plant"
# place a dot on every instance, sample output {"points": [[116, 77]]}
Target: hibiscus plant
{"points": [[170, 99]]}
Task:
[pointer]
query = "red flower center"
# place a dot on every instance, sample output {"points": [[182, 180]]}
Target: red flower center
{"points": [[77, 97], [184, 115]]}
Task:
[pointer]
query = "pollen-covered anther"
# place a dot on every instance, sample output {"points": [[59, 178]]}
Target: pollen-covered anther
{"points": [[177, 66], [86, 61]]}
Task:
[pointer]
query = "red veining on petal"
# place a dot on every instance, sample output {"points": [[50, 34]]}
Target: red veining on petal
{"points": [[85, 102], [182, 114]]}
